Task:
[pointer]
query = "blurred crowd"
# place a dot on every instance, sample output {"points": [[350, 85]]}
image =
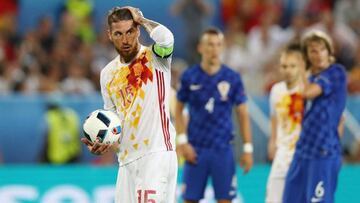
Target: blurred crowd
{"points": [[68, 58], [257, 30]]}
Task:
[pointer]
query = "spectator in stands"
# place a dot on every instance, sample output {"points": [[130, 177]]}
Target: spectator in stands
{"points": [[50, 79], [4, 80], [348, 12], [82, 10], [313, 8], [103, 52], [345, 39], [8, 30], [195, 14], [76, 82], [235, 54], [264, 44], [45, 33], [297, 26], [354, 74]]}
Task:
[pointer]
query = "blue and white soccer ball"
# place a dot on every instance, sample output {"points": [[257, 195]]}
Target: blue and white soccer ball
{"points": [[104, 125]]}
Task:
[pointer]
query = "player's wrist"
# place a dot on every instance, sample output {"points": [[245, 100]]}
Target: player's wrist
{"points": [[141, 20], [248, 148], [181, 139]]}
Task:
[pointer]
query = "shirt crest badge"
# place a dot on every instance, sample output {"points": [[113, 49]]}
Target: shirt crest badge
{"points": [[223, 88]]}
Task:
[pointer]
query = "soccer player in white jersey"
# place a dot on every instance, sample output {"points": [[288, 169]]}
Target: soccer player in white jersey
{"points": [[136, 86], [286, 106]]}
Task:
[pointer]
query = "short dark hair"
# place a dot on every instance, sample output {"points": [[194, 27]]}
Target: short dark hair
{"points": [[211, 31], [117, 14], [293, 47]]}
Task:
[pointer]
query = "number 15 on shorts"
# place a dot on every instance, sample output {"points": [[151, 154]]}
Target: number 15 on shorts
{"points": [[144, 196]]}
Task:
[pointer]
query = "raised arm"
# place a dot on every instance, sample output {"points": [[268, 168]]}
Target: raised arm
{"points": [[162, 36], [310, 90]]}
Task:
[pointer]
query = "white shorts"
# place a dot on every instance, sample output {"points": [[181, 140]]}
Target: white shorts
{"points": [[152, 178], [276, 181], [275, 189]]}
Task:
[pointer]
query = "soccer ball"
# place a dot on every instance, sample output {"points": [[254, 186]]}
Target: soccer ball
{"points": [[104, 125]]}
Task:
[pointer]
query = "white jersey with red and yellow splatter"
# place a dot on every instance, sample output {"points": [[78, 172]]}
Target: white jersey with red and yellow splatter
{"points": [[287, 106], [139, 93]]}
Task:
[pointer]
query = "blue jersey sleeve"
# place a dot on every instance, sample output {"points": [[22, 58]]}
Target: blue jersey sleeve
{"points": [[239, 92], [323, 80], [328, 79], [184, 91]]}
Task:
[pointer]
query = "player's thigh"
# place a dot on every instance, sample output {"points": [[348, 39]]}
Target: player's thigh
{"points": [[295, 182], [156, 178], [195, 177], [223, 174], [323, 174], [275, 189], [125, 186]]}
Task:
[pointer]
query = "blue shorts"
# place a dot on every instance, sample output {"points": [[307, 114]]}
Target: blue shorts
{"points": [[214, 163], [311, 180]]}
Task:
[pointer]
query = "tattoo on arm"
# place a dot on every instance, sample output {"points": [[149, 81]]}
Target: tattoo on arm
{"points": [[149, 25]]}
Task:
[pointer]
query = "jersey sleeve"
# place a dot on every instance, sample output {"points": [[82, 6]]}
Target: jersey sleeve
{"points": [[328, 80], [163, 47], [108, 103], [323, 80], [184, 91], [164, 41], [239, 91]]}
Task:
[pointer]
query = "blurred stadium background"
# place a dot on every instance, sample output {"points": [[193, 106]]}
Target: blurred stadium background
{"points": [[58, 47]]}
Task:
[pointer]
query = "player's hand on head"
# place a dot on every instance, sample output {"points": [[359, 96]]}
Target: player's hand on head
{"points": [[96, 147], [188, 152], [246, 162], [136, 13]]}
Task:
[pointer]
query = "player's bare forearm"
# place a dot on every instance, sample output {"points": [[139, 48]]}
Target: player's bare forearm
{"points": [[273, 128], [310, 90], [341, 126], [244, 122], [183, 147], [272, 139], [138, 17], [246, 161], [162, 36], [149, 25]]}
